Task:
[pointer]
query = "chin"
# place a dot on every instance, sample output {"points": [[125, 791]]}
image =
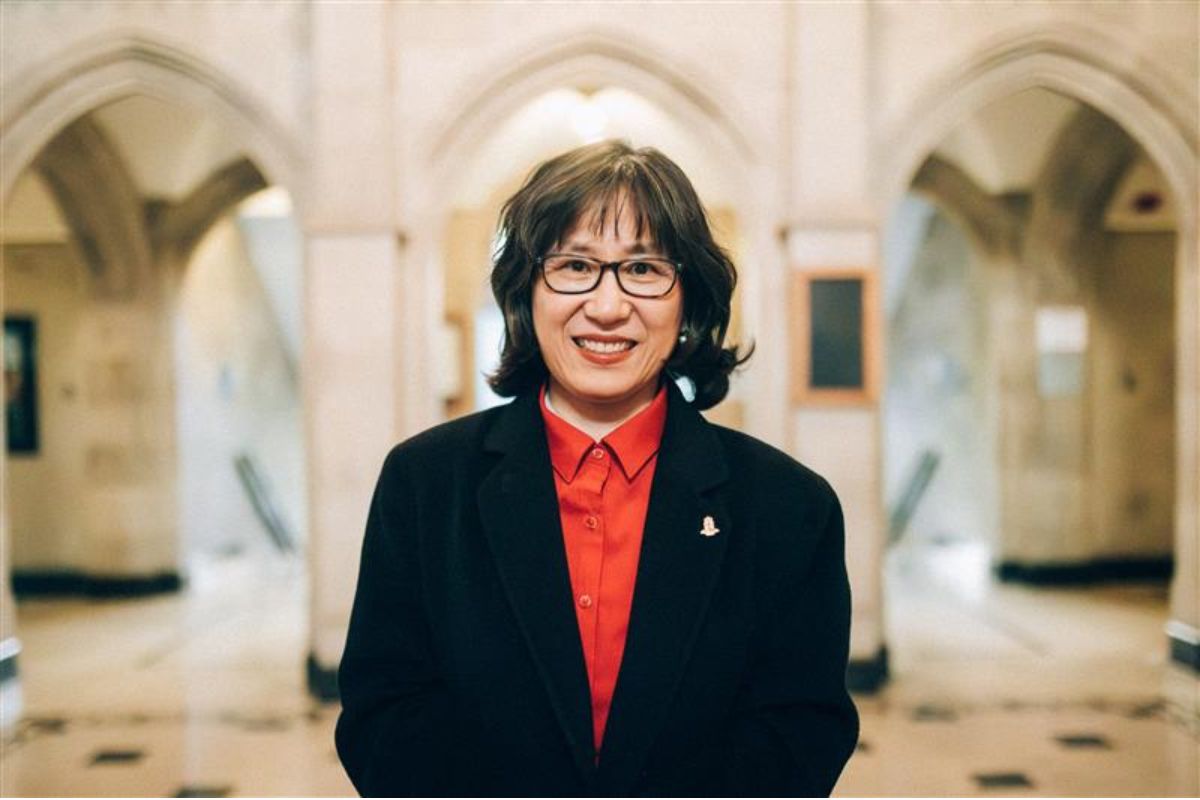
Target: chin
{"points": [[606, 389]]}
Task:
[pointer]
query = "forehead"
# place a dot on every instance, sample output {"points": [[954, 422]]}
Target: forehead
{"points": [[618, 215]]}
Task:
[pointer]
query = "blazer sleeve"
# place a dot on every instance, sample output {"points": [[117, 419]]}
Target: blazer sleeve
{"points": [[395, 735], [795, 726]]}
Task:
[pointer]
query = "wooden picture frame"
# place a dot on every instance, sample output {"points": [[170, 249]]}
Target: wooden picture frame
{"points": [[835, 337]]}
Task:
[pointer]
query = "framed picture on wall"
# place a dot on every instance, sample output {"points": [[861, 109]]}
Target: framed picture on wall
{"points": [[20, 384], [835, 337]]}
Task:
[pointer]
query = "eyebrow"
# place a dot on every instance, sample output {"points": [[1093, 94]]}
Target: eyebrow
{"points": [[639, 247]]}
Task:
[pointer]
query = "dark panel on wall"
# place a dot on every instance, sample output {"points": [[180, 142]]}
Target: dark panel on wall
{"points": [[836, 342], [20, 385]]}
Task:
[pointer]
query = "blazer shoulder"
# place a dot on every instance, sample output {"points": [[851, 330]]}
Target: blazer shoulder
{"points": [[443, 443], [774, 470]]}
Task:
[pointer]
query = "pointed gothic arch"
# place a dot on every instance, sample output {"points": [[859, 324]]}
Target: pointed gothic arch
{"points": [[58, 94], [1070, 62], [587, 60], [45, 99], [1158, 115]]}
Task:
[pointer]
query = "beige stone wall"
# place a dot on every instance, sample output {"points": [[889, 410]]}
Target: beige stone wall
{"points": [[129, 501], [106, 415], [1132, 398], [46, 282]]}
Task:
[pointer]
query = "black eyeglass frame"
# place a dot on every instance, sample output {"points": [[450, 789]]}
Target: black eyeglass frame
{"points": [[615, 266]]}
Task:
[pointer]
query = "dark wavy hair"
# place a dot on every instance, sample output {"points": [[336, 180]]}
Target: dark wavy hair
{"points": [[599, 177]]}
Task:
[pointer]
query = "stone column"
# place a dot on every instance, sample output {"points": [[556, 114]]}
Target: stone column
{"points": [[354, 366], [1012, 377], [1049, 514], [1183, 631], [129, 498], [833, 223]]}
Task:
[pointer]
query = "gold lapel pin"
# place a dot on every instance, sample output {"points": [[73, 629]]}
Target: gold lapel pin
{"points": [[710, 527]]}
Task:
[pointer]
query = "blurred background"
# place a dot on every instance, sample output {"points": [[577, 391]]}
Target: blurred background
{"points": [[245, 251]]}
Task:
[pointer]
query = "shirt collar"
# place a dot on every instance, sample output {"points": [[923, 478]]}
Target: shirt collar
{"points": [[632, 444]]}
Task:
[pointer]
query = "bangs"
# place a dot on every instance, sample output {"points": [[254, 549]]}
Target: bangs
{"points": [[599, 198], [620, 198]]}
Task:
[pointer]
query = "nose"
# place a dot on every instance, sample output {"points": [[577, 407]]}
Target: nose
{"points": [[607, 303]]}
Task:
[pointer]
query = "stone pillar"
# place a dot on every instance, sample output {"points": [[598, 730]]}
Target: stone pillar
{"points": [[129, 475], [843, 443], [351, 360], [1049, 515], [1183, 631], [834, 223], [354, 367], [1011, 374]]}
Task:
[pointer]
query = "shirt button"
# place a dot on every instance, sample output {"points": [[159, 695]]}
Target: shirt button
{"points": [[591, 522], [585, 601], [598, 453]]}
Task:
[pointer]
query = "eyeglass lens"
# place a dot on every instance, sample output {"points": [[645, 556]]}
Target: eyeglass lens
{"points": [[643, 277]]}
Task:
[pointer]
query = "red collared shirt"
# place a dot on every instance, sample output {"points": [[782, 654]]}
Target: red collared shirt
{"points": [[603, 493]]}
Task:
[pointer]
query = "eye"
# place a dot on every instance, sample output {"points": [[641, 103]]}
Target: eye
{"points": [[569, 265], [648, 268]]}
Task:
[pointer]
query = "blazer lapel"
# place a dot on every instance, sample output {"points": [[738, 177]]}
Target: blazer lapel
{"points": [[677, 571], [518, 506]]}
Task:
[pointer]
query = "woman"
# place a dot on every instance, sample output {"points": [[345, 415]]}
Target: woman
{"points": [[592, 590]]}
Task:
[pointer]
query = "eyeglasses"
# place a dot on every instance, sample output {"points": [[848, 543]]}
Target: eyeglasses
{"points": [[646, 276]]}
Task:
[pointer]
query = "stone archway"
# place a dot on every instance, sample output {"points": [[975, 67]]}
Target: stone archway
{"points": [[54, 94], [1077, 65], [589, 59], [48, 102]]}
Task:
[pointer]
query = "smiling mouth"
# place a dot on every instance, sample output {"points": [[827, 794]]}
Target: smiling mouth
{"points": [[603, 348]]}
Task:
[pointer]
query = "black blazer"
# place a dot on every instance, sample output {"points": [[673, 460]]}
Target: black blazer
{"points": [[463, 672]]}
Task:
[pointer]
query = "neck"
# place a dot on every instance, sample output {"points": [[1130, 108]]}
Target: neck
{"points": [[596, 419]]}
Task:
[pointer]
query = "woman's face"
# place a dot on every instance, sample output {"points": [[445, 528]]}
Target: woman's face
{"points": [[605, 349]]}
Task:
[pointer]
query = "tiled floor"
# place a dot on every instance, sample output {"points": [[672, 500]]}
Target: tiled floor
{"points": [[1014, 691], [207, 689], [997, 691]]}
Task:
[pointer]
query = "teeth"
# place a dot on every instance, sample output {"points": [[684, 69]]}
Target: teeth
{"points": [[604, 347]]}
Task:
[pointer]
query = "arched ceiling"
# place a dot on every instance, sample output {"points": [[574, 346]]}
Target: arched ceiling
{"points": [[565, 118], [1003, 148], [31, 216], [169, 149]]}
